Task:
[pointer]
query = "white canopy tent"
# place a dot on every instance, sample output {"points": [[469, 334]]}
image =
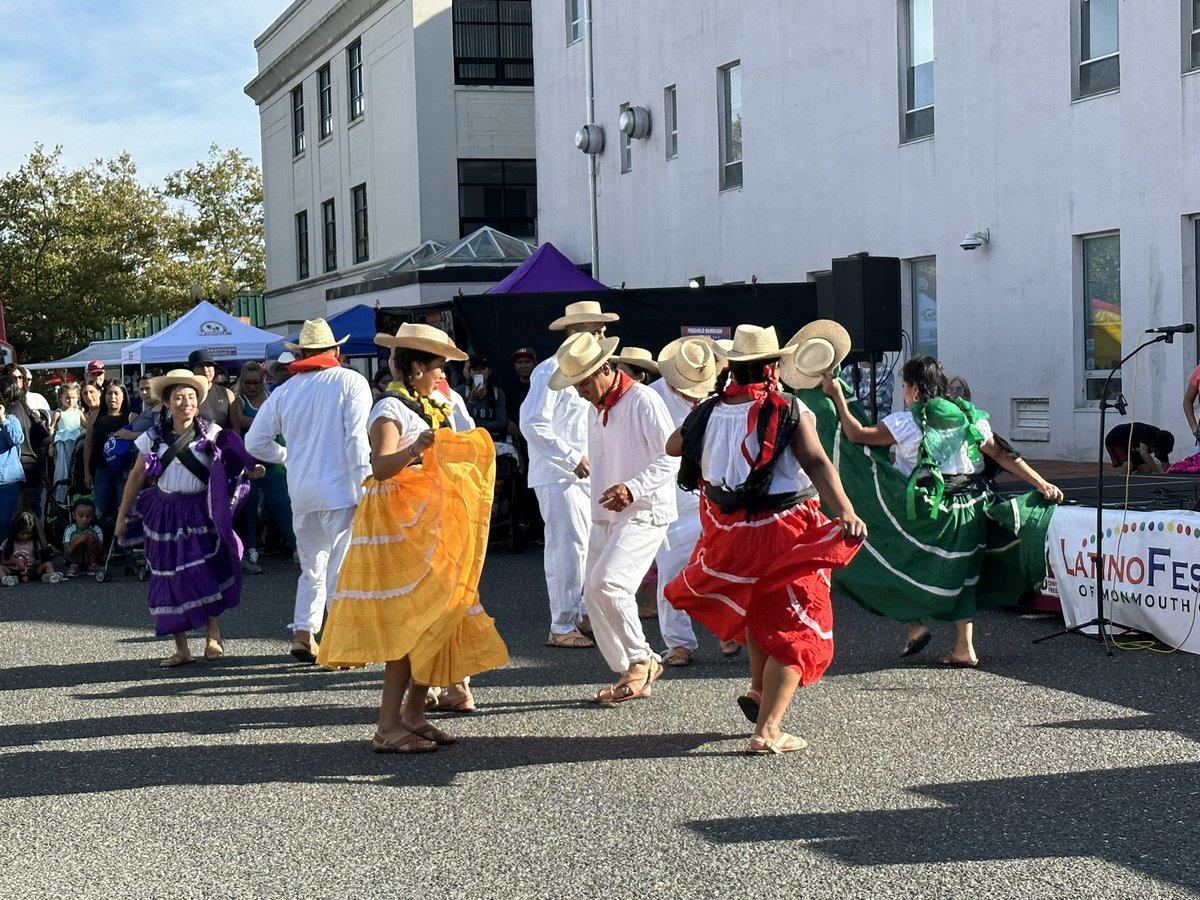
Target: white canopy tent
{"points": [[108, 352], [203, 327]]}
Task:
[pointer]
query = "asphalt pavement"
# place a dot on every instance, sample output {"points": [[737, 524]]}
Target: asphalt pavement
{"points": [[1051, 771]]}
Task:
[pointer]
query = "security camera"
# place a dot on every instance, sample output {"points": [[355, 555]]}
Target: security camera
{"points": [[975, 239]]}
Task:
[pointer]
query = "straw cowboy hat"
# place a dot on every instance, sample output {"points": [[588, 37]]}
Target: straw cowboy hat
{"points": [[279, 365], [752, 344], [426, 338], [820, 347], [580, 313], [579, 356], [160, 384], [638, 359], [315, 335], [689, 365]]}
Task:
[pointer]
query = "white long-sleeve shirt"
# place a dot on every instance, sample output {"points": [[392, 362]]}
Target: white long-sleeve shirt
{"points": [[678, 408], [555, 426], [322, 416], [632, 450]]}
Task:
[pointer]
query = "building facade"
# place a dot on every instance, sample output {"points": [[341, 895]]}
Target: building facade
{"points": [[386, 124], [1033, 164]]}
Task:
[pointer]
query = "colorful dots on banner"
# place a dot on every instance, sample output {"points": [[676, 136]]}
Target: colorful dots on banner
{"points": [[1127, 527]]}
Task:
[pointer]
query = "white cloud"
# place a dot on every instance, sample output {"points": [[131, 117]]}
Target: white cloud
{"points": [[161, 79]]}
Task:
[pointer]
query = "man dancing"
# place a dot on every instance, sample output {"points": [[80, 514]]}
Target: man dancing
{"points": [[628, 427]]}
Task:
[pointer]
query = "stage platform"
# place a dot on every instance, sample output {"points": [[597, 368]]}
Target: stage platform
{"points": [[1078, 483]]}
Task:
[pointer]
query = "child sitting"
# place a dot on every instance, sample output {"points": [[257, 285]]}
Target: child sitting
{"points": [[83, 541], [23, 554]]}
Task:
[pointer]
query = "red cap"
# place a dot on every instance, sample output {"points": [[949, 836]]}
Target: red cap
{"points": [[94, 365]]}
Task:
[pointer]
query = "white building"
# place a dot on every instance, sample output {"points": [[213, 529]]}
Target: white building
{"points": [[1069, 131], [386, 124]]}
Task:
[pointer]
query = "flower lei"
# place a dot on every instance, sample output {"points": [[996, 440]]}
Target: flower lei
{"points": [[436, 413], [154, 468]]}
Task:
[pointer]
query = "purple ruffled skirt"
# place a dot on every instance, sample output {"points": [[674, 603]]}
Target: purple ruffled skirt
{"points": [[195, 569]]}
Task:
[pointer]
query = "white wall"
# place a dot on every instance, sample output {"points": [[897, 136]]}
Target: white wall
{"points": [[825, 174]]}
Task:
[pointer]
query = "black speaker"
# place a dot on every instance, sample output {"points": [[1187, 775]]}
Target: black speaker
{"points": [[863, 294]]}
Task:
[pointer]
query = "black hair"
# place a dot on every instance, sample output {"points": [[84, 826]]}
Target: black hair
{"points": [[404, 357], [83, 501], [108, 386], [927, 375], [479, 362], [1162, 444], [10, 392], [23, 522], [754, 372]]}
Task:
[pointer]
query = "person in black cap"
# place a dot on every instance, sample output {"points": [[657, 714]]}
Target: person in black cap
{"points": [[218, 407]]}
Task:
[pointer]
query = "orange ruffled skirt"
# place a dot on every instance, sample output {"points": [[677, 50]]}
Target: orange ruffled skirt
{"points": [[409, 585]]}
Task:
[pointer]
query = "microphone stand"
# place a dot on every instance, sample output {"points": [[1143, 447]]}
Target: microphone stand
{"points": [[1101, 621]]}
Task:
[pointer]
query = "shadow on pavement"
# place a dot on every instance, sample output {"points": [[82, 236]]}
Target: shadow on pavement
{"points": [[1130, 817]]}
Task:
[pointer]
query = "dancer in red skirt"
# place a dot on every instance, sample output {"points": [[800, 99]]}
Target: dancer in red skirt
{"points": [[760, 571]]}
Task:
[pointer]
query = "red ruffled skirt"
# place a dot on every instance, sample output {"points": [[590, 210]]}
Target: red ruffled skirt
{"points": [[767, 575]]}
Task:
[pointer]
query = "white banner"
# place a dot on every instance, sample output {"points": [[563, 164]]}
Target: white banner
{"points": [[1151, 570]]}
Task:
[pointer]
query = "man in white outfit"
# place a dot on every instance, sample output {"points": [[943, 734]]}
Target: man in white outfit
{"points": [[321, 411], [554, 424], [628, 427], [689, 373]]}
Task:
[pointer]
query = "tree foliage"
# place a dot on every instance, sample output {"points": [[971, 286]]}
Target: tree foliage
{"points": [[82, 248]]}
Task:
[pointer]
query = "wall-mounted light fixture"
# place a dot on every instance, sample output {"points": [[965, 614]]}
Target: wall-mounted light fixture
{"points": [[635, 122], [976, 239], [696, 281], [590, 139]]}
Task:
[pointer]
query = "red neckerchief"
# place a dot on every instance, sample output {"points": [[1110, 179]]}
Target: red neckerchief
{"points": [[314, 364], [614, 394], [759, 394]]}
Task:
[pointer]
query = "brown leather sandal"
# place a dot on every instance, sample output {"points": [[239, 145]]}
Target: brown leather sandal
{"points": [[678, 656], [410, 743], [431, 732], [572, 640], [178, 658], [785, 743], [625, 689]]}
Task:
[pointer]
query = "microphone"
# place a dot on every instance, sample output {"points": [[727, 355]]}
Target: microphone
{"points": [[1185, 328]]}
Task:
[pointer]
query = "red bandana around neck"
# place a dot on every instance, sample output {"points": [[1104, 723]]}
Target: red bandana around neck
{"points": [[618, 390], [759, 393], [314, 364]]}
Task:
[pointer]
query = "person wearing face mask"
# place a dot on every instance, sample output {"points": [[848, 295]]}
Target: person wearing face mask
{"points": [[321, 411]]}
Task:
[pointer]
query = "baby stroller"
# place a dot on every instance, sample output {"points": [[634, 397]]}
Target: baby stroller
{"points": [[506, 526]]}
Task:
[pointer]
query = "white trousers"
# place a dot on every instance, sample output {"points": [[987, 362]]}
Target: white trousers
{"points": [[673, 555], [619, 555], [322, 539], [567, 511]]}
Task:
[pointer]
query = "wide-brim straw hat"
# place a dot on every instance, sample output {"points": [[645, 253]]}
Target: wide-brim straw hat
{"points": [[315, 335], [637, 358], [426, 338], [580, 313], [752, 343], [280, 364], [821, 346], [579, 356], [160, 384], [689, 365]]}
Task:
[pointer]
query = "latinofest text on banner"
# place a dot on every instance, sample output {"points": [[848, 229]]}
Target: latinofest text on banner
{"points": [[1151, 570]]}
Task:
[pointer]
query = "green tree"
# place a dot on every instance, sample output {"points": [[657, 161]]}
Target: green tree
{"points": [[223, 244]]}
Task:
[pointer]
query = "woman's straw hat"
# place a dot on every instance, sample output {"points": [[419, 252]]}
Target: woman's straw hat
{"points": [[637, 358], [820, 347], [426, 338], [689, 365], [160, 384], [581, 313], [579, 356], [315, 335], [752, 343]]}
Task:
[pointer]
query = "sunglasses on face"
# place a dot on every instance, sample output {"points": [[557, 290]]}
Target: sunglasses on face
{"points": [[251, 381]]}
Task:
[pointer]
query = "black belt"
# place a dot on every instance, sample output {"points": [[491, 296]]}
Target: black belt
{"points": [[739, 501]]}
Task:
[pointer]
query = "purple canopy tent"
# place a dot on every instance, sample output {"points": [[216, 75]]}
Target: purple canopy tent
{"points": [[545, 271]]}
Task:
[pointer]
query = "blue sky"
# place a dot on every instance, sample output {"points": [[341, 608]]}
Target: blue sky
{"points": [[161, 79]]}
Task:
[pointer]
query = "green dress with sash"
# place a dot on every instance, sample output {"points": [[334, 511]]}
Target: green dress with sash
{"points": [[931, 553]]}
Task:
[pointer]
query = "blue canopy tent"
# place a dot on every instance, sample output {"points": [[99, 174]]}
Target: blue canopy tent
{"points": [[357, 321]]}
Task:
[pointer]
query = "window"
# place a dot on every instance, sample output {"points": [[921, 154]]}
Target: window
{"points": [[325, 101], [917, 16], [574, 21], [1101, 295], [671, 118], [501, 193], [731, 125], [493, 42], [1099, 41], [302, 244], [297, 121], [359, 196], [922, 274], [354, 72], [329, 224], [1192, 23], [626, 144]]}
